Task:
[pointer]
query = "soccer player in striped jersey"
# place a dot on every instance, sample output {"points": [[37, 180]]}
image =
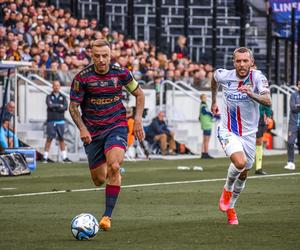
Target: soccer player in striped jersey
{"points": [[243, 90], [97, 90]]}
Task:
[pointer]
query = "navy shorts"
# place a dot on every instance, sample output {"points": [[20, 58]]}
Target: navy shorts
{"points": [[54, 129], [96, 150], [207, 132]]}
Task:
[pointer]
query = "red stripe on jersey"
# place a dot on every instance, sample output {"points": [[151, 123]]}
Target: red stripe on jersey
{"points": [[91, 122], [120, 124], [105, 111], [240, 84], [239, 120], [228, 120], [105, 89], [74, 98], [95, 77], [114, 146]]}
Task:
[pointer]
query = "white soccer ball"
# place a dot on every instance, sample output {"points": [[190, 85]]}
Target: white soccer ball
{"points": [[84, 226]]}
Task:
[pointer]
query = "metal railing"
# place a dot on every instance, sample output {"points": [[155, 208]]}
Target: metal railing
{"points": [[28, 82], [174, 87], [47, 83], [280, 116]]}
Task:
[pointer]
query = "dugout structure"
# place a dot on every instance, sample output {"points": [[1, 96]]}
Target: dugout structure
{"points": [[6, 68]]}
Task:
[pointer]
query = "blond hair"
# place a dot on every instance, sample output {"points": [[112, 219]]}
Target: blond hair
{"points": [[100, 43], [243, 50]]}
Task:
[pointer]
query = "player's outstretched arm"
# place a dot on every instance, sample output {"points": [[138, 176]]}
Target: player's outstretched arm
{"points": [[140, 103], [85, 136], [214, 92]]}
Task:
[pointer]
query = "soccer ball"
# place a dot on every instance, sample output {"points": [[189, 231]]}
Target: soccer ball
{"points": [[84, 226]]}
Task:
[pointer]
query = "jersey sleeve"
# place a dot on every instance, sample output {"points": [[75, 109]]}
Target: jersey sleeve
{"points": [[77, 90], [261, 83], [128, 81], [217, 75]]}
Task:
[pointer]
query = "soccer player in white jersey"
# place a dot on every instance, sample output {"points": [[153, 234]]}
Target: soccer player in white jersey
{"points": [[243, 89]]}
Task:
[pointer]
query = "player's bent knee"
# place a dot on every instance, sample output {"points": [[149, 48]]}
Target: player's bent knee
{"points": [[114, 167], [243, 175], [99, 181], [240, 163]]}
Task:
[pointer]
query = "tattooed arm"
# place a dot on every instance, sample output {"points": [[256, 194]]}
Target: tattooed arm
{"points": [[140, 103], [85, 135], [214, 92], [264, 99]]}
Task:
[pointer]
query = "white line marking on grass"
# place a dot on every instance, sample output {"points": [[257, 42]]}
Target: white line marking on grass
{"points": [[142, 185], [8, 188]]}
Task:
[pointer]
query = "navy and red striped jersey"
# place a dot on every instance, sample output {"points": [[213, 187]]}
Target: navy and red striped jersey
{"points": [[100, 97]]}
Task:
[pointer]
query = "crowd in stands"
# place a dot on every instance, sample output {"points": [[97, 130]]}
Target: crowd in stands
{"points": [[58, 45]]}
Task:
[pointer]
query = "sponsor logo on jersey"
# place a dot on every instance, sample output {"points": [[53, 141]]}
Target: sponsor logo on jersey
{"points": [[238, 96], [100, 101]]}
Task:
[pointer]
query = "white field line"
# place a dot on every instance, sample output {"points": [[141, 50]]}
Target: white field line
{"points": [[142, 185]]}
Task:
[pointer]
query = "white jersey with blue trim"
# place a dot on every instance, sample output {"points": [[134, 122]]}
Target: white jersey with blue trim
{"points": [[239, 112]]}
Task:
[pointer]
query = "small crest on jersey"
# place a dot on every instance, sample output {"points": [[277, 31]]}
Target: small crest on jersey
{"points": [[115, 81], [228, 83], [76, 85]]}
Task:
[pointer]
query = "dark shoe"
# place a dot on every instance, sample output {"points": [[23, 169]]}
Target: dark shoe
{"points": [[67, 160], [260, 172], [206, 156], [209, 157], [45, 160]]}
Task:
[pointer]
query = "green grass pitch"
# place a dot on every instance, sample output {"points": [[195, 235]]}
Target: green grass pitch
{"points": [[174, 213]]}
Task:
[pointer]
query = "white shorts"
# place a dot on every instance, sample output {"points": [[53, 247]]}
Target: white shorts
{"points": [[232, 143]]}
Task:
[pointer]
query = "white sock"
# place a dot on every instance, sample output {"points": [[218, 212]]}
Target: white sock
{"points": [[46, 154], [64, 154], [239, 186], [232, 174]]}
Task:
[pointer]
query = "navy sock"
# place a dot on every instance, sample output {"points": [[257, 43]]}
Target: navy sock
{"points": [[111, 196]]}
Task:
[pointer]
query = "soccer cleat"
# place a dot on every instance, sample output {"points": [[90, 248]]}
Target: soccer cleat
{"points": [[290, 166], [105, 223], [231, 217], [66, 160], [225, 200], [260, 172], [45, 160]]}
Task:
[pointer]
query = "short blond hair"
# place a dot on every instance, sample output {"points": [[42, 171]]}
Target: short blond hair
{"points": [[243, 50], [100, 43]]}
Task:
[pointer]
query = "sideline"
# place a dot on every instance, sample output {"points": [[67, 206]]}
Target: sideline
{"points": [[142, 185]]}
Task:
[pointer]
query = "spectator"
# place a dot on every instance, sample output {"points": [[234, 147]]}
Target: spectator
{"points": [[25, 54], [180, 48], [13, 52], [130, 135], [206, 119], [65, 75], [7, 137], [294, 127], [3, 55], [158, 131], [56, 107], [265, 114], [8, 111]]}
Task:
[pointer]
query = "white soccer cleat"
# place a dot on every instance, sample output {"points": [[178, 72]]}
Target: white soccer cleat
{"points": [[290, 166]]}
